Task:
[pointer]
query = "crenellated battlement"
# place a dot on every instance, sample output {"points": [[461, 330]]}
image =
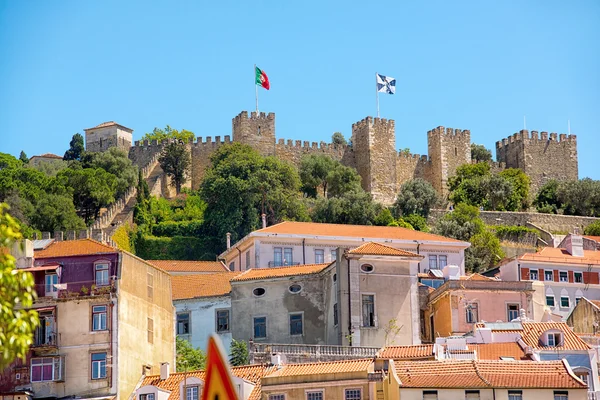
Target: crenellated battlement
{"points": [[243, 116], [525, 136], [373, 122], [413, 157], [442, 131], [306, 145], [208, 141]]}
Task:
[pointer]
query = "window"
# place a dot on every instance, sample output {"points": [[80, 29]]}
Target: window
{"points": [[295, 288], [98, 365], [51, 280], [150, 284], [471, 314], [319, 256], [368, 310], [148, 396], [515, 395], [260, 327], [333, 255], [442, 261], [46, 369], [150, 330], [191, 393], [578, 277], [548, 275], [550, 301], [561, 395], [430, 395], [248, 259], [471, 394], [433, 283], [584, 376], [564, 301], [533, 274], [577, 300], [314, 395], [296, 324], [563, 276], [183, 323], [335, 314], [288, 258], [101, 274], [278, 256], [352, 394], [335, 277], [232, 266], [554, 339], [282, 256], [99, 318], [433, 262], [258, 292], [366, 268], [277, 397], [513, 311], [222, 320]]}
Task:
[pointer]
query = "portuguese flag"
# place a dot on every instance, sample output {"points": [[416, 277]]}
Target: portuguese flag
{"points": [[262, 79]]}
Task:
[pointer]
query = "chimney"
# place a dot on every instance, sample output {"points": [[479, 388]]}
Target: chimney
{"points": [[264, 220], [164, 371], [523, 314], [574, 245], [228, 240]]}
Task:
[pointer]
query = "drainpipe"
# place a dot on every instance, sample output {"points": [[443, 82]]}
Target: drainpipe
{"points": [[303, 251], [418, 247], [349, 306], [228, 240]]}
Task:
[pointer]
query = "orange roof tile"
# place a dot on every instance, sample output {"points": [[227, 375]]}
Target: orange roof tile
{"points": [[80, 247], [189, 266], [106, 124], [201, 285], [357, 231], [280, 272], [594, 238], [252, 373], [532, 332], [407, 352], [377, 249], [485, 374], [493, 351], [332, 367], [562, 256], [477, 277]]}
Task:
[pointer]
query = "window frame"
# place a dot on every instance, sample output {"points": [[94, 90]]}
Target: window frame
{"points": [[319, 256], [277, 396], [577, 274], [553, 300], [554, 336], [232, 266], [333, 255], [430, 393], [189, 331], [150, 329], [296, 314], [551, 272], [568, 301], [469, 313], [514, 393], [368, 268], [278, 251], [373, 323], [288, 251], [254, 318], [101, 366], [445, 258], [192, 387], [566, 276], [561, 395], [99, 314], [146, 396], [248, 266], [50, 286], [508, 311], [308, 392], [102, 267], [335, 314], [44, 362], [537, 275], [221, 310], [353, 389], [470, 391], [434, 258]]}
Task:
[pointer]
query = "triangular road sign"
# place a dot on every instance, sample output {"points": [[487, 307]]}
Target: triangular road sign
{"points": [[218, 385]]}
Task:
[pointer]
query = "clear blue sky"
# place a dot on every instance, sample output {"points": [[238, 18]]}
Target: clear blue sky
{"points": [[70, 65]]}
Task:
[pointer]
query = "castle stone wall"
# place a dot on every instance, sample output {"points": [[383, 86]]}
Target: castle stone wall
{"points": [[201, 152], [541, 157], [293, 151], [448, 148], [257, 131], [412, 166]]}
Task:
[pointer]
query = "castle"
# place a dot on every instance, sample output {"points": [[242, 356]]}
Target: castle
{"points": [[372, 152]]}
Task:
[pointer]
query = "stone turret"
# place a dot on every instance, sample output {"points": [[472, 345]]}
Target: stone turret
{"points": [[448, 149], [258, 131], [106, 135]]}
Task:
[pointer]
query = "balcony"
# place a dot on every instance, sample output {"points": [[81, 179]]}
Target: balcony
{"points": [[73, 289], [275, 264], [44, 339], [295, 353]]}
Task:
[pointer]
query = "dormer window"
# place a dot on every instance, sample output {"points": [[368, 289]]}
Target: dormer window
{"points": [[147, 396], [191, 393], [554, 339]]}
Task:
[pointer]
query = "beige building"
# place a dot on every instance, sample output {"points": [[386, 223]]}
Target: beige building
{"points": [[107, 316], [106, 135]]}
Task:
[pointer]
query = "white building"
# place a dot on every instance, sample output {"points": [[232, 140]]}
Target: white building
{"points": [[295, 243], [203, 306]]}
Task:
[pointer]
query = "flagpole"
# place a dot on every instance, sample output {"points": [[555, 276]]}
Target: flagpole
{"points": [[377, 94], [256, 89]]}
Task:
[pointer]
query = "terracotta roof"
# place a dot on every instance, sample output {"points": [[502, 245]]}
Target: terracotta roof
{"points": [[486, 374], [594, 238], [331, 367], [106, 124], [356, 231], [562, 256], [252, 373], [407, 352], [201, 285], [80, 247], [493, 351], [189, 266], [377, 249], [280, 272], [532, 332], [48, 155], [477, 277], [595, 302]]}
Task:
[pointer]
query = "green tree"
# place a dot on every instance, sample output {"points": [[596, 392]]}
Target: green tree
{"points": [[175, 161], [188, 358], [355, 208], [117, 162], [321, 171], [8, 161], [547, 200], [519, 200], [592, 229], [418, 222], [338, 138], [462, 223], [169, 133], [50, 167], [92, 189], [580, 197], [480, 154], [384, 218], [55, 212], [23, 157], [76, 148], [416, 196], [498, 192], [239, 353], [17, 294], [484, 253]]}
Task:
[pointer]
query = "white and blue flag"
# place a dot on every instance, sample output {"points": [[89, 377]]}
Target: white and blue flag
{"points": [[386, 84]]}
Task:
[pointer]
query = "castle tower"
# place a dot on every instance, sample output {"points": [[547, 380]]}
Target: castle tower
{"points": [[257, 131], [106, 135], [448, 149], [374, 144], [542, 157]]}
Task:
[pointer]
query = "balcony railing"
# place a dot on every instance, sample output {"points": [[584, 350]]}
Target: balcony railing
{"points": [[45, 334], [273, 264], [74, 289], [316, 350]]}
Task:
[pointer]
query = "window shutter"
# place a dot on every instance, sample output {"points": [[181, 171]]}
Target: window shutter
{"points": [[524, 274], [571, 278], [556, 279]]}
